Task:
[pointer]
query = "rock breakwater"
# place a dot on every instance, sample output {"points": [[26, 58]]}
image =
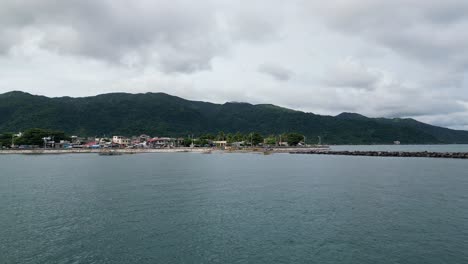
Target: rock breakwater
{"points": [[419, 154]]}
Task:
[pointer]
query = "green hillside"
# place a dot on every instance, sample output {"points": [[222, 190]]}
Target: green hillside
{"points": [[159, 114]]}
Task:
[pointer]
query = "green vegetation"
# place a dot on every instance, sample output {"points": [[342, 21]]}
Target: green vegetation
{"points": [[294, 138], [271, 140], [35, 136], [255, 138], [159, 114], [6, 139], [248, 139]]}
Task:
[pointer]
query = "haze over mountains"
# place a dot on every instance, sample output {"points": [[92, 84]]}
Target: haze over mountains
{"points": [[160, 114]]}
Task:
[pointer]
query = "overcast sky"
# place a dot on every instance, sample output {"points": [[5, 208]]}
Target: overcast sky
{"points": [[400, 58]]}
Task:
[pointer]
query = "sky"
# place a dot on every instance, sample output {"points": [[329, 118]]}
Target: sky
{"points": [[400, 58]]}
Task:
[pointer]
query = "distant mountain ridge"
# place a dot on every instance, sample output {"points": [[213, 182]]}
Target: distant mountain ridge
{"points": [[163, 114]]}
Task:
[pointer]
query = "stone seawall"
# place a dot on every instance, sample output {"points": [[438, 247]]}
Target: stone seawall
{"points": [[423, 154]]}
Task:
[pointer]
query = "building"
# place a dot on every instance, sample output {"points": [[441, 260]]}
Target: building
{"points": [[120, 140], [220, 144], [92, 145], [144, 138], [160, 142], [238, 144]]}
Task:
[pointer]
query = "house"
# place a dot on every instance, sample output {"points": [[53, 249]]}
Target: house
{"points": [[220, 144], [160, 142], [120, 140], [144, 138], [77, 140], [92, 145]]}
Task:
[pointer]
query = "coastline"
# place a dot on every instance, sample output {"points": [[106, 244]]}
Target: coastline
{"points": [[300, 150], [162, 150]]}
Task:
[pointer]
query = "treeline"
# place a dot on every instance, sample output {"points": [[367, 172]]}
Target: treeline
{"points": [[33, 137], [248, 139]]}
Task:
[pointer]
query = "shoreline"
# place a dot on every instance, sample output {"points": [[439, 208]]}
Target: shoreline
{"points": [[299, 151], [140, 151]]}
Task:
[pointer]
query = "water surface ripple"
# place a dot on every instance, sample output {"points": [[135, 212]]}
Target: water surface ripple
{"points": [[232, 208]]}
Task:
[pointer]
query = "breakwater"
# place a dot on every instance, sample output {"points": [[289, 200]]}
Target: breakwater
{"points": [[403, 154]]}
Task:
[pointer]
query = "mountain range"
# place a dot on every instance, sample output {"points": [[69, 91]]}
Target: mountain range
{"points": [[160, 114]]}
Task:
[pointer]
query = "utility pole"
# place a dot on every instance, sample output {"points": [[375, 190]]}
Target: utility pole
{"points": [[320, 140], [45, 141]]}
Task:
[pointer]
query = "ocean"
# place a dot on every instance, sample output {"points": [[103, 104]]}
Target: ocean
{"points": [[232, 208]]}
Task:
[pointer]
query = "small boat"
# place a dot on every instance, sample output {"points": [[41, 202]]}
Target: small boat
{"points": [[111, 152]]}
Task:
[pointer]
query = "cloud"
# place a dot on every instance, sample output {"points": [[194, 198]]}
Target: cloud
{"points": [[353, 74], [429, 31], [455, 121], [178, 36], [405, 58], [277, 72]]}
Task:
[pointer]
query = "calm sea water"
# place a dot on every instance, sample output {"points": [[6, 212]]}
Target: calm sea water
{"points": [[232, 208]]}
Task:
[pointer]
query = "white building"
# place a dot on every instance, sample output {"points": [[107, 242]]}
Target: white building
{"points": [[120, 140]]}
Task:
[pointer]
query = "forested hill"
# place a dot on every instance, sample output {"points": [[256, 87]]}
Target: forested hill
{"points": [[160, 114]]}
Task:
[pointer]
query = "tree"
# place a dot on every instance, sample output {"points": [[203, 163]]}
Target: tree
{"points": [[187, 142], [230, 138], [202, 142], [294, 138], [208, 137], [34, 136], [6, 139], [253, 138], [256, 138], [221, 136], [238, 137], [270, 140]]}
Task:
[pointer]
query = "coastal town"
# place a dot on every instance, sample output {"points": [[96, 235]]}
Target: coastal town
{"points": [[33, 139], [42, 141]]}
